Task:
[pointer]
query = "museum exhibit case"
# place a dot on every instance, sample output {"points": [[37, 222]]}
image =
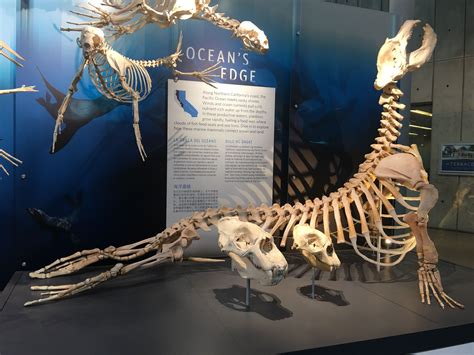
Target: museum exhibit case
{"points": [[169, 153]]}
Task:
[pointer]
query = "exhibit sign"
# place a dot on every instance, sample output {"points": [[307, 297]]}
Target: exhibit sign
{"points": [[220, 146], [457, 159]]}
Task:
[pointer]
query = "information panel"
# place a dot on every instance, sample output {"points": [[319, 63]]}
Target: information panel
{"points": [[457, 159], [220, 147]]}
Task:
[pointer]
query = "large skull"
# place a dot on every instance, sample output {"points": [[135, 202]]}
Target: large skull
{"points": [[316, 247], [393, 62], [92, 39], [253, 252], [253, 37]]}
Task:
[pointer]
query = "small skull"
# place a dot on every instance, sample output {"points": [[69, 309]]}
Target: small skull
{"points": [[253, 252], [253, 37], [316, 247], [393, 62], [91, 40]]}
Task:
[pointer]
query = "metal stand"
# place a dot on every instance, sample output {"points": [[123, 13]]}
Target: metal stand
{"points": [[379, 245], [379, 239], [313, 284], [247, 293]]}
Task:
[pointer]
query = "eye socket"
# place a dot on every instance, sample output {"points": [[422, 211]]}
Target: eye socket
{"points": [[242, 242], [330, 249], [266, 245], [96, 39]]}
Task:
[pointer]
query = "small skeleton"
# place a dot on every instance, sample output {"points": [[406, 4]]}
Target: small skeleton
{"points": [[351, 214], [3, 46], [120, 78], [129, 16]]}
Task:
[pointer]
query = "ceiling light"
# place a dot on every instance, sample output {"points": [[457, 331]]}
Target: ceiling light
{"points": [[423, 113], [421, 127]]}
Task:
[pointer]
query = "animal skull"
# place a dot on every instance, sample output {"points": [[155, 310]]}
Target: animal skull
{"points": [[253, 252], [253, 37], [393, 62], [316, 247], [92, 39]]}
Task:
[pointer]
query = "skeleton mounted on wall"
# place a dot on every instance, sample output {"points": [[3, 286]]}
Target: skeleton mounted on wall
{"points": [[10, 54], [357, 211], [129, 16], [127, 80]]}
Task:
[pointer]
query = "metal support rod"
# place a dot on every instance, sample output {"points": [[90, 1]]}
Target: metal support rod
{"points": [[247, 293], [379, 238], [313, 283]]}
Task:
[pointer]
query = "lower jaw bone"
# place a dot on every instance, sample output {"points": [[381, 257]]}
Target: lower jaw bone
{"points": [[315, 262]]}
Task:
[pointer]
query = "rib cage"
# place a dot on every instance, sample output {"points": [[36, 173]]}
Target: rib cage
{"points": [[107, 80]]}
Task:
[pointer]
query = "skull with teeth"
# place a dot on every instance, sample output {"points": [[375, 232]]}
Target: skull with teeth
{"points": [[393, 62], [91, 40], [316, 247], [253, 252], [253, 37]]}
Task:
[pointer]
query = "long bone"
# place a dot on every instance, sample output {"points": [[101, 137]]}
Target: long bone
{"points": [[15, 58], [388, 165], [120, 78]]}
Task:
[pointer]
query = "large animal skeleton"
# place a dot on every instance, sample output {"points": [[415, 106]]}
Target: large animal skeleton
{"points": [[129, 16], [360, 211], [11, 55]]}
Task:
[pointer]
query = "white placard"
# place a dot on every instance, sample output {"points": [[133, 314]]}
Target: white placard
{"points": [[220, 150]]}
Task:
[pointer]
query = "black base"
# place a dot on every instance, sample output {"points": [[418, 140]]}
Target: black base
{"points": [[200, 309]]}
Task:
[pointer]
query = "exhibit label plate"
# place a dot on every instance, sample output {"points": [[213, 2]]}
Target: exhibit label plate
{"points": [[457, 159], [220, 147]]}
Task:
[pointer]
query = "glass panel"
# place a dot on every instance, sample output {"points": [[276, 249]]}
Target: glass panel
{"points": [[420, 130], [337, 115], [7, 126]]}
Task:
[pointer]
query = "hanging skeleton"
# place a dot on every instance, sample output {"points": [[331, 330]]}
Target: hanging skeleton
{"points": [[351, 214], [131, 15], [120, 78], [3, 46]]}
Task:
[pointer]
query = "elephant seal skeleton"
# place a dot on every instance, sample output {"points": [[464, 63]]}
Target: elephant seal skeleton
{"points": [[357, 212]]}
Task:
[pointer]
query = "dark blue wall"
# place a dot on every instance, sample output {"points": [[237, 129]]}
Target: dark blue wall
{"points": [[97, 182]]}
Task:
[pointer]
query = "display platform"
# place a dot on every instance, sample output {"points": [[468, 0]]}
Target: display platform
{"points": [[194, 308]]}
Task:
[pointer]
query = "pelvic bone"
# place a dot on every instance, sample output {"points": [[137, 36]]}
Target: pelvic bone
{"points": [[253, 251]]}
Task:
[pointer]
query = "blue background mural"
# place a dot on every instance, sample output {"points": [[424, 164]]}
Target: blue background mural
{"points": [[96, 185], [335, 115]]}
